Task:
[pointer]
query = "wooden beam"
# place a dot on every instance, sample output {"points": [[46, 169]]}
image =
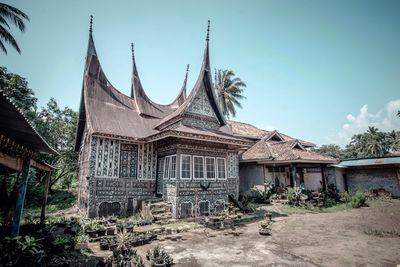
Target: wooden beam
{"points": [[14, 163], [41, 166], [323, 177], [46, 192], [21, 197], [293, 182]]}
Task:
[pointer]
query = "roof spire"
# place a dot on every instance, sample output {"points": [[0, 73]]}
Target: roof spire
{"points": [[187, 71], [208, 31], [91, 24], [133, 52]]}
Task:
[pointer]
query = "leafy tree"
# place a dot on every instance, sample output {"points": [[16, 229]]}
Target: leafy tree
{"points": [[58, 128], [9, 14], [16, 88], [330, 150], [229, 90]]}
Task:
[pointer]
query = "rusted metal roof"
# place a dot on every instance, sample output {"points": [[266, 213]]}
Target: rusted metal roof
{"points": [[369, 162]]}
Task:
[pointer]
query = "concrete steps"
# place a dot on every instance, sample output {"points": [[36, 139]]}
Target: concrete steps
{"points": [[162, 211]]}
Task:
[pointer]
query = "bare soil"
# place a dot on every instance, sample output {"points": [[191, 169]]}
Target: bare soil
{"points": [[356, 237]]}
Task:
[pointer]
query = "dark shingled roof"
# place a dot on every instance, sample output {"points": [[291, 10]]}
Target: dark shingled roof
{"points": [[14, 125], [252, 132], [292, 150]]}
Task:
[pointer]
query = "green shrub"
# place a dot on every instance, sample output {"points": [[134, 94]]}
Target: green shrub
{"points": [[357, 200]]}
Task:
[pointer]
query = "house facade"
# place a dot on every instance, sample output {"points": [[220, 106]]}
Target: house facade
{"points": [[369, 174], [131, 148], [281, 160]]}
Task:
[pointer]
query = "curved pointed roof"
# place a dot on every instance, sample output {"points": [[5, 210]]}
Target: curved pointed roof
{"points": [[204, 80], [104, 109], [145, 106]]}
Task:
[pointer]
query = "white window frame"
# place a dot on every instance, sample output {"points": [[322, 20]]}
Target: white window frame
{"points": [[206, 171], [167, 172], [204, 167], [166, 168], [171, 164], [217, 169], [190, 168]]}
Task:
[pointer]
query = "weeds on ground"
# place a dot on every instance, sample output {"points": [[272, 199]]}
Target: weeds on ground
{"points": [[382, 233]]}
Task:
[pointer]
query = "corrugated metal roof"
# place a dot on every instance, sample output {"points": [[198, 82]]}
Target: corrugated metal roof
{"points": [[369, 162]]}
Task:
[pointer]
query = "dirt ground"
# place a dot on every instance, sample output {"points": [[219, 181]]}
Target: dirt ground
{"points": [[323, 239]]}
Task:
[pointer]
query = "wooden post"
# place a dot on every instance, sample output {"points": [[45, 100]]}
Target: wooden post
{"points": [[323, 177], [46, 193], [293, 174], [21, 197]]}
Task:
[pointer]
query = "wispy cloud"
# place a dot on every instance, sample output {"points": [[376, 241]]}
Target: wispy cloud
{"points": [[268, 127], [385, 119]]}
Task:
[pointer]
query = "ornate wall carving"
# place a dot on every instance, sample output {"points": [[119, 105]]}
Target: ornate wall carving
{"points": [[201, 104]]}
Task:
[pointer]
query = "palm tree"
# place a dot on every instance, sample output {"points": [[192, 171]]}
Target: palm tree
{"points": [[9, 14], [229, 90], [398, 113]]}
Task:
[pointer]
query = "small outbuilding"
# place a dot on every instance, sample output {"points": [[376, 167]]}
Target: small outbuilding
{"points": [[20, 149], [369, 173]]}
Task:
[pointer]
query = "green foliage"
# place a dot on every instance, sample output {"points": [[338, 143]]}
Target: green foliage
{"points": [[229, 90], [16, 88], [10, 15], [295, 196], [372, 143], [13, 248], [330, 150], [159, 256], [357, 200], [61, 199]]}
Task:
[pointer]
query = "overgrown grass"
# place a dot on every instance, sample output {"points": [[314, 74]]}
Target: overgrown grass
{"points": [[57, 200]]}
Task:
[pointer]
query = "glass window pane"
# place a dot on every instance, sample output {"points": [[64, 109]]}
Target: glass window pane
{"points": [[221, 168], [172, 173], [185, 166], [210, 168], [198, 167], [166, 167]]}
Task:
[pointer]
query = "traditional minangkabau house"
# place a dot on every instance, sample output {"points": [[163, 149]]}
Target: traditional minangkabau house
{"points": [[20, 148], [281, 160], [131, 148]]}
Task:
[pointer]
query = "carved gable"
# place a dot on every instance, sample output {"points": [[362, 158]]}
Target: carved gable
{"points": [[201, 104]]}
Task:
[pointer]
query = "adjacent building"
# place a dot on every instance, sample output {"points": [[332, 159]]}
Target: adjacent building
{"points": [[368, 174]]}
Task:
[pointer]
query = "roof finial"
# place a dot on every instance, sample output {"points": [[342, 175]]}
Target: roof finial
{"points": [[133, 52], [187, 69], [91, 23], [208, 31]]}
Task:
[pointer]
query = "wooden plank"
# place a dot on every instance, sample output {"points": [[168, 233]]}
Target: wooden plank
{"points": [[21, 197], [11, 162], [41, 166]]}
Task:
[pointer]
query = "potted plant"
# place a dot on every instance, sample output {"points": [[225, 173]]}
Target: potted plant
{"points": [[82, 242], [159, 262], [59, 244], [91, 228], [101, 230], [110, 230], [104, 244]]}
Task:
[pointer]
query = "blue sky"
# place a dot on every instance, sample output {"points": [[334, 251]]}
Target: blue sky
{"points": [[316, 70]]}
